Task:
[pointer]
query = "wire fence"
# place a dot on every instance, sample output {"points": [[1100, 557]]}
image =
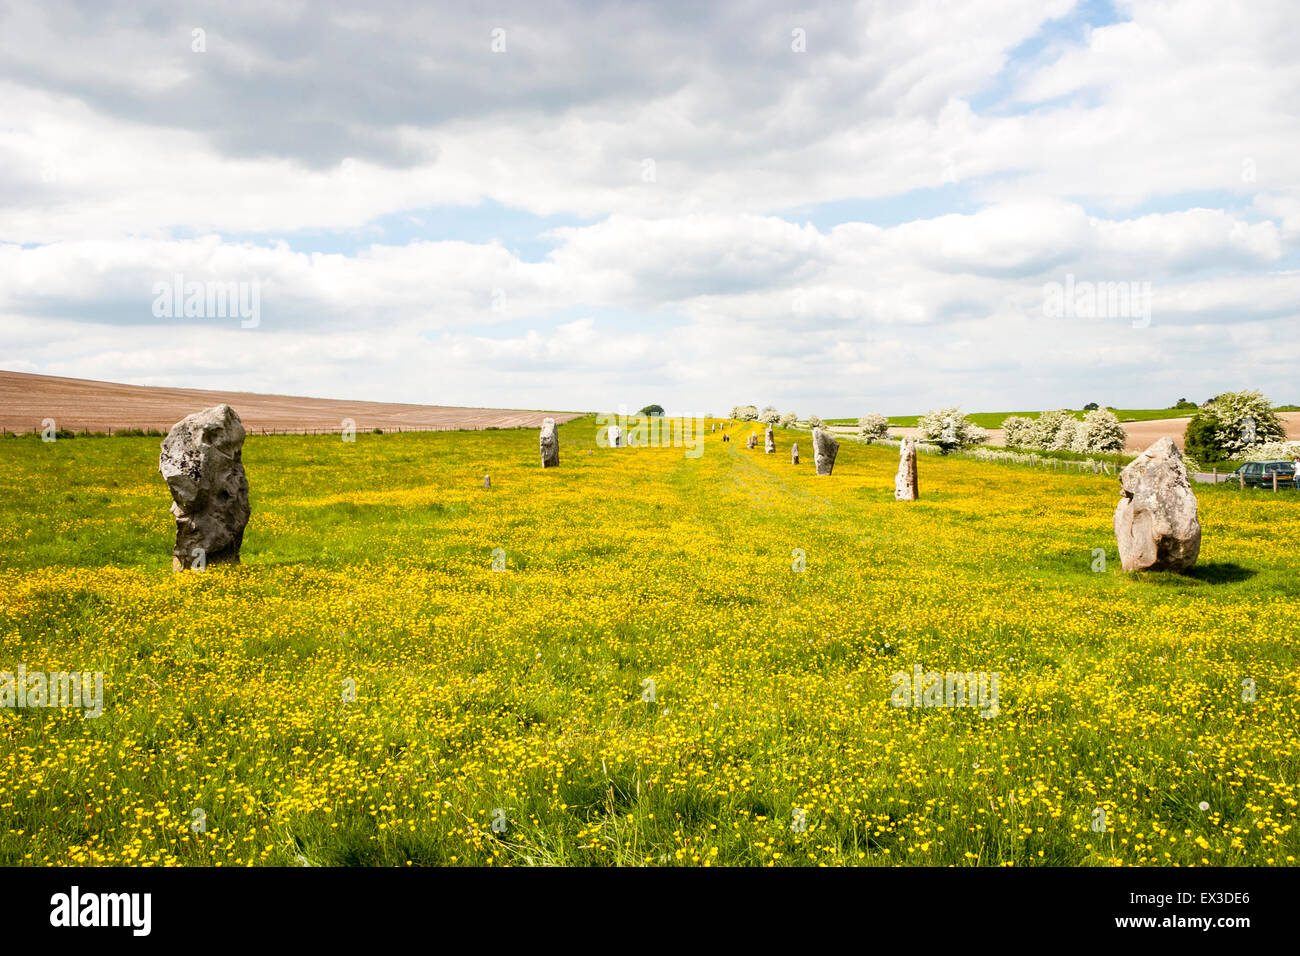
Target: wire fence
{"points": [[1025, 459]]}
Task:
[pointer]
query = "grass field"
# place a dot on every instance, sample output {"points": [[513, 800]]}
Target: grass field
{"points": [[521, 696], [994, 419]]}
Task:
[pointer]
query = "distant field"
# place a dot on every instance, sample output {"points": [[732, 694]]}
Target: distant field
{"points": [[994, 419]]}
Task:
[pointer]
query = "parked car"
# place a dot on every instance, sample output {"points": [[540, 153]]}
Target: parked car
{"points": [[1259, 474]]}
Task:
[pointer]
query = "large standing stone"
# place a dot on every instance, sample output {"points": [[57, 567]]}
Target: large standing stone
{"points": [[550, 444], [769, 442], [1155, 522], [615, 436], [794, 454], [905, 483], [825, 448], [201, 464]]}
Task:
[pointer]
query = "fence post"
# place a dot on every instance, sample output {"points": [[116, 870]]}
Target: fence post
{"points": [[1215, 475], [1275, 481]]}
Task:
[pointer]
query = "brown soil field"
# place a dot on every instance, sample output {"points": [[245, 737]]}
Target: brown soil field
{"points": [[1142, 435], [77, 404]]}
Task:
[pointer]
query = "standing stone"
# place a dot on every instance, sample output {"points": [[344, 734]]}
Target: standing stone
{"points": [[905, 488], [769, 442], [487, 482], [615, 436], [825, 448], [550, 444], [794, 454], [201, 463], [1155, 522]]}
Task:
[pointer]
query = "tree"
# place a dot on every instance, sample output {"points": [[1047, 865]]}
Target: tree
{"points": [[1244, 419], [814, 421], [1091, 407], [1184, 403], [1052, 431], [744, 413], [949, 429], [1066, 431], [788, 420], [1228, 425], [1017, 431], [769, 416], [872, 426], [1199, 438], [1100, 432], [652, 410]]}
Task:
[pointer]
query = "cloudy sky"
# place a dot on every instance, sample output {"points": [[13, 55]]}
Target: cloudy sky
{"points": [[833, 208]]}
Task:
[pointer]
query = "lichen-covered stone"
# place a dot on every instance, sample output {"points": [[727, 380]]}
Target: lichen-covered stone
{"points": [[1156, 524], [825, 448], [905, 488], [202, 465], [549, 440]]}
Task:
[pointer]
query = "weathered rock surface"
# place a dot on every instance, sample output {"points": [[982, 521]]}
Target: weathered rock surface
{"points": [[825, 448], [550, 444], [201, 463], [794, 454], [615, 436], [1156, 525], [905, 488], [769, 441]]}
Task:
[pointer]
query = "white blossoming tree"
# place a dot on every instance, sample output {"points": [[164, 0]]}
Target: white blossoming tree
{"points": [[872, 426], [1243, 419], [1017, 431], [1053, 431], [1100, 432], [949, 429]]}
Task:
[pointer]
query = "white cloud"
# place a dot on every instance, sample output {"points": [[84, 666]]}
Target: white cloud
{"points": [[1157, 149]]}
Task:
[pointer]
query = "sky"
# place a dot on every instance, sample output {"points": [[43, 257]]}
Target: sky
{"points": [[834, 209]]}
